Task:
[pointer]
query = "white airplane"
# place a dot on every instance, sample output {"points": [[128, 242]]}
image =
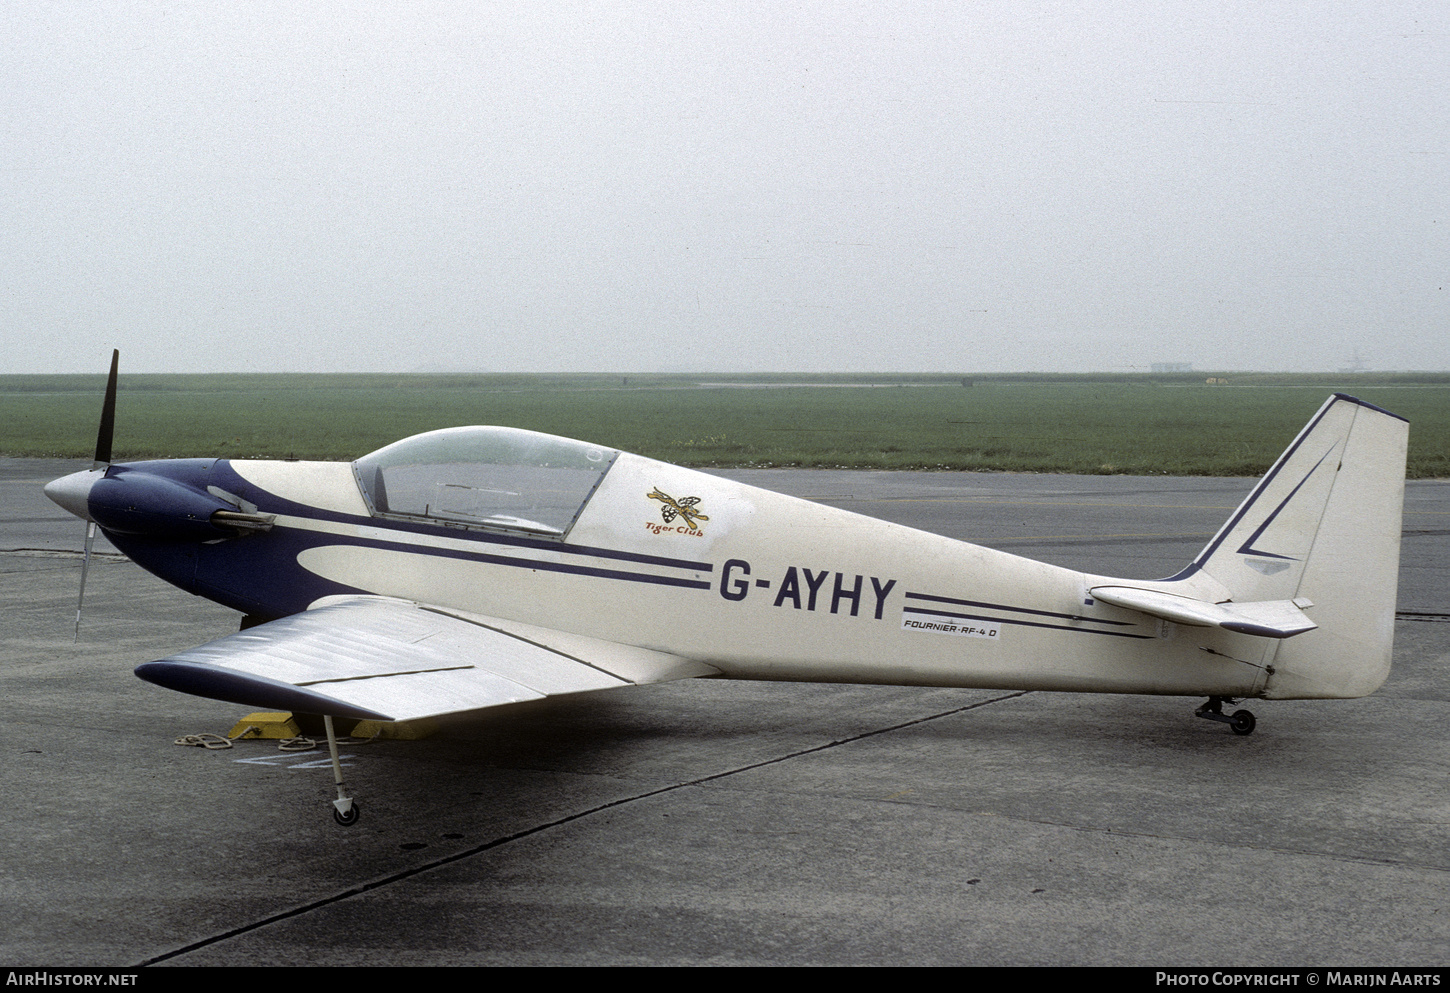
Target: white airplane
{"points": [[479, 566]]}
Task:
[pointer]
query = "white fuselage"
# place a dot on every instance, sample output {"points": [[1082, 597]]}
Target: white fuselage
{"points": [[763, 586]]}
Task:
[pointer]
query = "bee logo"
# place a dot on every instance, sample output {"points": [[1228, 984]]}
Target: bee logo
{"points": [[684, 507]]}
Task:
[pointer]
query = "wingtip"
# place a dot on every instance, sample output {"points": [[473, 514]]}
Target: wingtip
{"points": [[216, 683]]}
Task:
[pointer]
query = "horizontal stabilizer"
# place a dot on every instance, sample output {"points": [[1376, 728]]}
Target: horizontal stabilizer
{"points": [[393, 660], [1264, 618]]}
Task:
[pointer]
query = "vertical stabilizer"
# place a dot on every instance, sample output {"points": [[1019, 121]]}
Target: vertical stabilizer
{"points": [[1324, 525]]}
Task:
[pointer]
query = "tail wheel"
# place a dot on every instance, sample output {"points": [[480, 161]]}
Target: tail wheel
{"points": [[1242, 722]]}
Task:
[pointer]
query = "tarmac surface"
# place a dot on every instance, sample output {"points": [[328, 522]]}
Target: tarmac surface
{"points": [[714, 822]]}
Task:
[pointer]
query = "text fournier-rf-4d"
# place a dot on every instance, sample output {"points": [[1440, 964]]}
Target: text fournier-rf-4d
{"points": [[475, 567]]}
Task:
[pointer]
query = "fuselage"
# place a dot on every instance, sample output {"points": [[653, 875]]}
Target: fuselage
{"points": [[755, 583]]}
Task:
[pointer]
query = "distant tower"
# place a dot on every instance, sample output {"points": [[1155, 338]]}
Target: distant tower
{"points": [[1356, 364]]}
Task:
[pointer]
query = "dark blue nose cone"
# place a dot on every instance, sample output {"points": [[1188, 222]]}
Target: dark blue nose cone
{"points": [[147, 499]]}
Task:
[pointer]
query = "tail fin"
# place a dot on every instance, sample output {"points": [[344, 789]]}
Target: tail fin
{"points": [[1324, 525]]}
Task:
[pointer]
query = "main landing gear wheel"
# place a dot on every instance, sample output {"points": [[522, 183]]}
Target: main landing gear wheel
{"points": [[1242, 721]]}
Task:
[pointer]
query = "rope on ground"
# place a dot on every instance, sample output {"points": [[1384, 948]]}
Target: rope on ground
{"points": [[204, 740]]}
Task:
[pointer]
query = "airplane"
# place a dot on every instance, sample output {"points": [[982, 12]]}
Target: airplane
{"points": [[474, 567]]}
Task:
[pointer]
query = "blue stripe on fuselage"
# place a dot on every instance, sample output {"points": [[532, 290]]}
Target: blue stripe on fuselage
{"points": [[523, 563], [1003, 606], [1020, 623]]}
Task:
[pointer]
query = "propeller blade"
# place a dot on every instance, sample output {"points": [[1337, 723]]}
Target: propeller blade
{"points": [[85, 568], [108, 415], [103, 458]]}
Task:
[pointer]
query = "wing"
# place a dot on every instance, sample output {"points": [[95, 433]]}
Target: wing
{"points": [[393, 660]]}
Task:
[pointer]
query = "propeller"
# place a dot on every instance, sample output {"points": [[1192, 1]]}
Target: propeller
{"points": [[102, 460]]}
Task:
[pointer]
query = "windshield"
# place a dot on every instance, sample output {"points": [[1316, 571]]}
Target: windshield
{"points": [[488, 476]]}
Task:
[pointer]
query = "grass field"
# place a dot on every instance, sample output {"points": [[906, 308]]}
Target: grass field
{"points": [[1137, 424]]}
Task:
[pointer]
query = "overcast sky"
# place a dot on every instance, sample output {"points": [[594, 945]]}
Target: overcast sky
{"points": [[620, 186]]}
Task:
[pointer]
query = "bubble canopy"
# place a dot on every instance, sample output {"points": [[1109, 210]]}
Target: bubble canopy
{"points": [[490, 477]]}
